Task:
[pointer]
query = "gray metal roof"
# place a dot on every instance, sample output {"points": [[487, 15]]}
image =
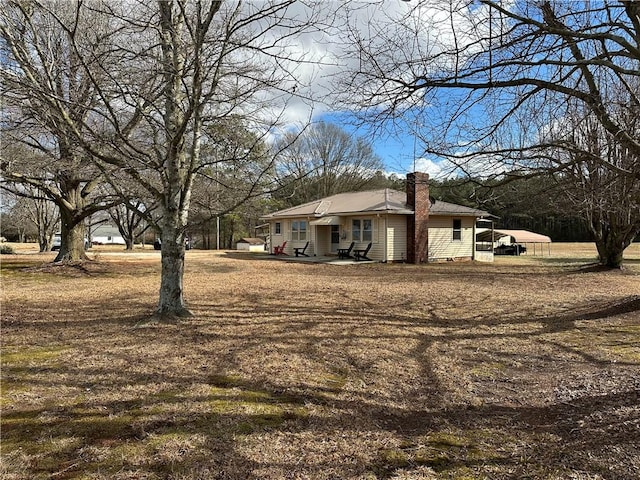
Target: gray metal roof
{"points": [[373, 201], [251, 241]]}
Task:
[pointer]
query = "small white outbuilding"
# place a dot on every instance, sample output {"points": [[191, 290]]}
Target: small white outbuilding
{"points": [[251, 245]]}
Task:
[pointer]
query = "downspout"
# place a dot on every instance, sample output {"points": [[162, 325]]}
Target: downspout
{"points": [[492, 241], [314, 237], [384, 242], [474, 244], [271, 229], [386, 237]]}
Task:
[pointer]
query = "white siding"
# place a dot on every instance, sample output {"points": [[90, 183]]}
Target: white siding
{"points": [[396, 238], [295, 243], [377, 243], [441, 243], [277, 239], [249, 248], [322, 237], [483, 256], [286, 235], [107, 234]]}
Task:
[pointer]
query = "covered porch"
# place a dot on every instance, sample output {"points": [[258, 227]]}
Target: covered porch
{"points": [[327, 234]]}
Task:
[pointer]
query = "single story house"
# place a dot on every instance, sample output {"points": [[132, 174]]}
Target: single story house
{"points": [[251, 244], [107, 234], [401, 226]]}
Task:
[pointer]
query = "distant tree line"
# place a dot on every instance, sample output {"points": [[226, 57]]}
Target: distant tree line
{"points": [[534, 204], [229, 194]]}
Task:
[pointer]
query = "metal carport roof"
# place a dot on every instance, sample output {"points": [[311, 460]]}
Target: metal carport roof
{"points": [[517, 236]]}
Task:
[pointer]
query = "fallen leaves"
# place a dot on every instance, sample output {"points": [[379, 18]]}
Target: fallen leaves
{"points": [[523, 368]]}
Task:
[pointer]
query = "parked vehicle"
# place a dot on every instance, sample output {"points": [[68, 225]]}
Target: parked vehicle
{"points": [[513, 249], [57, 243]]}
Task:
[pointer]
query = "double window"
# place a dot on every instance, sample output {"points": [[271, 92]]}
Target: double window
{"points": [[361, 230], [299, 230]]}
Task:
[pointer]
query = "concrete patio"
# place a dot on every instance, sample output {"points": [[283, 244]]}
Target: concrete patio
{"points": [[328, 259]]}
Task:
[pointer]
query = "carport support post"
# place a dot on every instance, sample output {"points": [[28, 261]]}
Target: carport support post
{"points": [[418, 223]]}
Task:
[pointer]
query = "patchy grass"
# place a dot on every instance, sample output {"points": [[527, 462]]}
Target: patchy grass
{"points": [[526, 368]]}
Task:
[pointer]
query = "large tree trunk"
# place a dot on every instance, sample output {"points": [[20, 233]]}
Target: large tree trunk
{"points": [[72, 215], [612, 236], [45, 240], [72, 237], [171, 304], [609, 256], [44, 243], [611, 249]]}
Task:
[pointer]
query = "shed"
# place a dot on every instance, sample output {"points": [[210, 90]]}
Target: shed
{"points": [[251, 244]]}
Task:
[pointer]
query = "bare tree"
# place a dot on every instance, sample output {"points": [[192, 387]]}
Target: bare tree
{"points": [[173, 67], [235, 178], [324, 160], [16, 222], [42, 212], [129, 220], [483, 83], [35, 208], [591, 180], [41, 72]]}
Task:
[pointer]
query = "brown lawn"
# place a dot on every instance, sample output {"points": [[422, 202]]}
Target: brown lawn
{"points": [[528, 368]]}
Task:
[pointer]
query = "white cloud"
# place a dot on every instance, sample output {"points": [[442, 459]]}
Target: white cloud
{"points": [[322, 61], [401, 35], [426, 165]]}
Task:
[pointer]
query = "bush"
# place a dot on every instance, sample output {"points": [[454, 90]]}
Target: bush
{"points": [[6, 250]]}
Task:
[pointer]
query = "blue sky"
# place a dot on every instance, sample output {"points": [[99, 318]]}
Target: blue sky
{"points": [[329, 55], [397, 150]]}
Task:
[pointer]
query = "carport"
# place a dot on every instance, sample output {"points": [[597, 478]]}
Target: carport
{"points": [[522, 237]]}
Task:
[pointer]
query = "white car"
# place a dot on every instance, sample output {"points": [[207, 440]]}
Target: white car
{"points": [[57, 241]]}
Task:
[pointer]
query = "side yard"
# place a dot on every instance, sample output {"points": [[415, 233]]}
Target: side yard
{"points": [[527, 368]]}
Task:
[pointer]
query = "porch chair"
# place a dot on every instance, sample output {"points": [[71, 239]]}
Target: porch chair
{"points": [[346, 252], [300, 250], [279, 249], [361, 254]]}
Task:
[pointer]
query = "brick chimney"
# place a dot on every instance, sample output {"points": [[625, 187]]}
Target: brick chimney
{"points": [[417, 224]]}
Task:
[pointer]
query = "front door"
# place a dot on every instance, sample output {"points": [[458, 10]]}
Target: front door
{"points": [[335, 238]]}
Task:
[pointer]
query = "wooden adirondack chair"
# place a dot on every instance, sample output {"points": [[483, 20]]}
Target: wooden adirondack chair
{"points": [[279, 249], [300, 250], [361, 254], [346, 252]]}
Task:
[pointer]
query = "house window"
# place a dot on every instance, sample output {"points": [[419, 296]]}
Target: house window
{"points": [[299, 230], [457, 229], [367, 230], [361, 230], [278, 228], [356, 230]]}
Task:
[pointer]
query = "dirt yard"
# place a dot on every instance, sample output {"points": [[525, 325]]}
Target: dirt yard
{"points": [[527, 368]]}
